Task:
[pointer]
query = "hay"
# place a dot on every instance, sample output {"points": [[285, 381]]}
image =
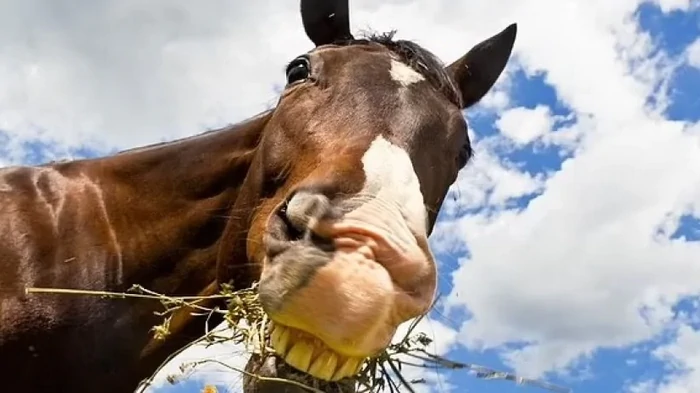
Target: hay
{"points": [[248, 325]]}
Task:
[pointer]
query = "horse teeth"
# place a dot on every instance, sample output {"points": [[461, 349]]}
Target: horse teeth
{"points": [[349, 368], [284, 341], [328, 366], [360, 362], [275, 337], [324, 366], [299, 356], [280, 339]]}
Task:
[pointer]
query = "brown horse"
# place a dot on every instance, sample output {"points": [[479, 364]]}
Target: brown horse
{"points": [[328, 200]]}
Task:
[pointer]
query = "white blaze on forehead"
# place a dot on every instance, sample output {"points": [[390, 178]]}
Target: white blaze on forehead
{"points": [[389, 175], [404, 74]]}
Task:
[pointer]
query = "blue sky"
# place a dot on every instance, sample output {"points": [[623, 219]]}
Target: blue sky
{"points": [[606, 369], [568, 248]]}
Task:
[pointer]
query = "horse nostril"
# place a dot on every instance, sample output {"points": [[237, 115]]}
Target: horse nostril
{"points": [[300, 212], [304, 207], [293, 232]]}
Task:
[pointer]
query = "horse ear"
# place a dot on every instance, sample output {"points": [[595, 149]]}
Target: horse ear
{"points": [[326, 21], [477, 71]]}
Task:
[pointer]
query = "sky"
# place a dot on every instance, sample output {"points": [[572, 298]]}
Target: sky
{"points": [[569, 248]]}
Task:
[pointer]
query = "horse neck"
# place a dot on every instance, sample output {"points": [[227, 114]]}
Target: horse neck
{"points": [[168, 204]]}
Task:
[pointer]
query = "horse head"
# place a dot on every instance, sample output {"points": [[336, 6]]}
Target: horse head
{"points": [[346, 184]]}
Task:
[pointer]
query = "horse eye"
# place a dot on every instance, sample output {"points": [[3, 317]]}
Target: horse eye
{"points": [[298, 70], [464, 154]]}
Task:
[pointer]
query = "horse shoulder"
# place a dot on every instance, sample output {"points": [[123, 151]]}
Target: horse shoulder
{"points": [[54, 232]]}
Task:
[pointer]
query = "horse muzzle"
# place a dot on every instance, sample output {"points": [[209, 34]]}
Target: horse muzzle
{"points": [[339, 278]]}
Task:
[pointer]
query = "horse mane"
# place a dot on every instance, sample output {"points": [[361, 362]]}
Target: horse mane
{"points": [[416, 57]]}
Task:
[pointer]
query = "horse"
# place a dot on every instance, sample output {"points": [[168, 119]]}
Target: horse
{"points": [[326, 201]]}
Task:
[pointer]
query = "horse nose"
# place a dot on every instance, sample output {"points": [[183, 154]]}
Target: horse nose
{"points": [[301, 211]]}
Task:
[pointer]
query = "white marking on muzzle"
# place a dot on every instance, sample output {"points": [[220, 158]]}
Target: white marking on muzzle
{"points": [[390, 176], [404, 74]]}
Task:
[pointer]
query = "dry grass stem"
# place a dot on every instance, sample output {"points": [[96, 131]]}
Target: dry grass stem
{"points": [[247, 325]]}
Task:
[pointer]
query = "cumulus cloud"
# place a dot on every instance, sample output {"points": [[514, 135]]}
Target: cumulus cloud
{"points": [[490, 181], [120, 73], [683, 359], [524, 125], [677, 5], [693, 53], [586, 265]]}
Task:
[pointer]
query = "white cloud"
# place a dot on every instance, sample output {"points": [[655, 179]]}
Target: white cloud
{"points": [[641, 387], [123, 73], [582, 267], [682, 357], [677, 5], [693, 53], [524, 125], [490, 181]]}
